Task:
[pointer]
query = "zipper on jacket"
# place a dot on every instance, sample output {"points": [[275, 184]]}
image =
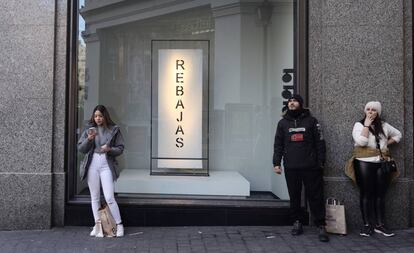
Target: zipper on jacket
{"points": [[295, 124]]}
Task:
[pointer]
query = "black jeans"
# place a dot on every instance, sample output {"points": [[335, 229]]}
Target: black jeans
{"points": [[373, 184], [313, 182]]}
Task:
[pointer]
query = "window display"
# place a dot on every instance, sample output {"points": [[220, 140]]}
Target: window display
{"points": [[196, 87]]}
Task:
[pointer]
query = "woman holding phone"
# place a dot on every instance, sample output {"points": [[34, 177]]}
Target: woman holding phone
{"points": [[101, 142]]}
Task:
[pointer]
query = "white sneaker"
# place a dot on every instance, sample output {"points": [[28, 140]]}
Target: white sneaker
{"points": [[119, 230], [93, 232], [97, 230]]}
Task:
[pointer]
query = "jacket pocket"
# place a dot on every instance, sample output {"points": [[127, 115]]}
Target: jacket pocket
{"points": [[299, 157], [83, 167]]}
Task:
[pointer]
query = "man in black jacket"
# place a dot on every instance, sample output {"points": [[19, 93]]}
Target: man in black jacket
{"points": [[300, 143]]}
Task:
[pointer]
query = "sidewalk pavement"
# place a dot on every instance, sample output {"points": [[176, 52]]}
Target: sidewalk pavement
{"points": [[200, 239]]}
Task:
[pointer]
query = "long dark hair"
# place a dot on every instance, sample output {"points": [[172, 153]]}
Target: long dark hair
{"points": [[107, 119], [377, 123]]}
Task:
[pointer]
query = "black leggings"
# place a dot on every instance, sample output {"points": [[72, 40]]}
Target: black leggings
{"points": [[373, 184]]}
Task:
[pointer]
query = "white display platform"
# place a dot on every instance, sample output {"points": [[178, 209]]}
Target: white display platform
{"points": [[222, 183]]}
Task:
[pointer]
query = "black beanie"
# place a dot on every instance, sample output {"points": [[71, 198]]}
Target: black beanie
{"points": [[298, 98]]}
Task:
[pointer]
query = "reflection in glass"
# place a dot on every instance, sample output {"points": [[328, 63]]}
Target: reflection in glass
{"points": [[248, 51]]}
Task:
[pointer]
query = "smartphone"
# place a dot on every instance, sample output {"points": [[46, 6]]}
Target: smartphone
{"points": [[92, 130]]}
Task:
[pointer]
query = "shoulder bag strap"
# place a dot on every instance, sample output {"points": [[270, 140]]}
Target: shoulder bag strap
{"points": [[378, 147]]}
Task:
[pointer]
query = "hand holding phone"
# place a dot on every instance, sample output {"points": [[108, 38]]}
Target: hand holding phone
{"points": [[91, 133]]}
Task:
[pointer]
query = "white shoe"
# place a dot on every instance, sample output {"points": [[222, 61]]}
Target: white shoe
{"points": [[93, 232], [119, 230], [97, 230]]}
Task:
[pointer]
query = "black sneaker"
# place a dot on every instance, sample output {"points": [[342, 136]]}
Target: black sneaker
{"points": [[380, 229], [323, 236], [297, 228], [366, 230]]}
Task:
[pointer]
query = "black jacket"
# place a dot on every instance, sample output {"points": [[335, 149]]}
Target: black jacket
{"points": [[300, 142]]}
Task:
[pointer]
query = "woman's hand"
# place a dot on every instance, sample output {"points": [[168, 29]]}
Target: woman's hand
{"points": [[369, 119], [390, 141], [91, 135], [105, 148]]}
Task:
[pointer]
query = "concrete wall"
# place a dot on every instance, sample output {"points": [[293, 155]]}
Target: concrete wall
{"points": [[32, 84], [361, 51]]}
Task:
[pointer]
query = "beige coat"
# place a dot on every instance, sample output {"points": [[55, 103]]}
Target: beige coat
{"points": [[360, 152]]}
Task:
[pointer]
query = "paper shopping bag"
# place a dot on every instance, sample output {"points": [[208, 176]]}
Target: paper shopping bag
{"points": [[107, 221], [335, 217]]}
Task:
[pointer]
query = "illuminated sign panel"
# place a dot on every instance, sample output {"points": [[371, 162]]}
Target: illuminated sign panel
{"points": [[180, 108]]}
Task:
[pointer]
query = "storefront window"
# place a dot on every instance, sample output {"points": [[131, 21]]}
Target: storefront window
{"points": [[196, 88]]}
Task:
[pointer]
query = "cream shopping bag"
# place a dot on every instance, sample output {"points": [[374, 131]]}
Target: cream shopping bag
{"points": [[107, 221], [335, 217]]}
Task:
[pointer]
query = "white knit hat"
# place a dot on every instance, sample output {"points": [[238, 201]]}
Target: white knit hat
{"points": [[374, 104]]}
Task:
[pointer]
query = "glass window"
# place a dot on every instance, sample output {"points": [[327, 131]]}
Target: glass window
{"points": [[197, 90]]}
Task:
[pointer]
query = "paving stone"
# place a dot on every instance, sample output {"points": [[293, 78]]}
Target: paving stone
{"points": [[187, 239]]}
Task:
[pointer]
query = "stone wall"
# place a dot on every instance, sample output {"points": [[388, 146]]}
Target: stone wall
{"points": [[361, 51], [32, 113]]}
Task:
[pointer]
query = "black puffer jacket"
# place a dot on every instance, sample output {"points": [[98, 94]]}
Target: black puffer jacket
{"points": [[300, 142]]}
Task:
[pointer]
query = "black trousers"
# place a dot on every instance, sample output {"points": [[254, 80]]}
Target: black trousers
{"points": [[313, 182], [373, 184]]}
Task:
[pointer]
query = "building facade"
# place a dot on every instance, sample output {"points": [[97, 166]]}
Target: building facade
{"points": [[242, 59]]}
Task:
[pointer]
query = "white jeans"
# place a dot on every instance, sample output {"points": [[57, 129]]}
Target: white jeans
{"points": [[98, 172]]}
